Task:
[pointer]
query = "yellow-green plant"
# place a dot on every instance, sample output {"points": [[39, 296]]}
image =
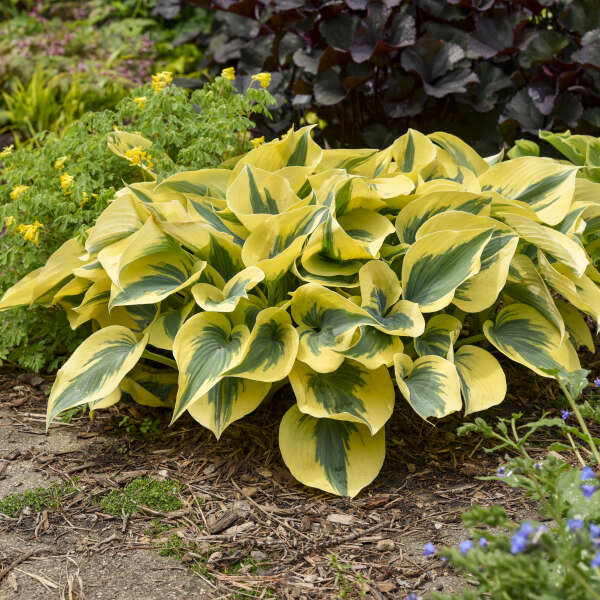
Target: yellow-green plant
{"points": [[340, 271]]}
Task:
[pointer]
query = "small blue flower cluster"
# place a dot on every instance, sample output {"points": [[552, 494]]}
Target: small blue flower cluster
{"points": [[520, 539], [596, 382]]}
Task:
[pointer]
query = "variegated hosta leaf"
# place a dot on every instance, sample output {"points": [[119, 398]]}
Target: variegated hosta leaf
{"points": [[255, 194], [440, 334], [349, 160], [227, 401], [211, 298], [419, 211], [412, 152], [153, 267], [205, 348], [482, 380], [462, 153], [163, 330], [339, 457], [374, 348], [42, 284], [430, 385], [113, 398], [122, 217], [581, 292], [524, 335], [95, 369], [211, 183], [436, 264], [350, 393], [294, 149], [72, 293], [151, 387], [526, 285], [576, 326], [275, 244], [553, 242], [545, 184], [380, 291], [482, 289], [327, 323], [222, 221], [271, 349]]}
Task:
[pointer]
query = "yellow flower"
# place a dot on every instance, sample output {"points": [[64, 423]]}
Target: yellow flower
{"points": [[137, 157], [59, 163], [140, 101], [31, 232], [66, 183], [9, 221], [161, 80], [263, 78], [84, 199], [256, 142], [17, 191], [228, 73], [7, 150]]}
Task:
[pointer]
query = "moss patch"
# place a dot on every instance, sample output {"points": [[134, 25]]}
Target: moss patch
{"points": [[143, 491]]}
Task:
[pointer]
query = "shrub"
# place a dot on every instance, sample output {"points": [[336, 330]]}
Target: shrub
{"points": [[49, 194], [327, 267], [370, 68]]}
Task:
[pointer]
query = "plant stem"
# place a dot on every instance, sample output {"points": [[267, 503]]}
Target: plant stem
{"points": [[159, 358], [581, 422]]}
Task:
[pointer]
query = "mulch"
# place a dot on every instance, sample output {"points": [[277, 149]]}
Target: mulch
{"points": [[239, 499]]}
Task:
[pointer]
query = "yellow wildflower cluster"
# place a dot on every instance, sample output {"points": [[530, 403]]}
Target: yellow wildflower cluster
{"points": [[66, 183], [263, 78], [256, 142], [161, 80], [17, 191], [137, 157], [59, 163], [7, 151], [228, 73], [31, 232], [141, 101]]}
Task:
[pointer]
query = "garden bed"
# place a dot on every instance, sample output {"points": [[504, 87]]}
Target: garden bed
{"points": [[244, 528]]}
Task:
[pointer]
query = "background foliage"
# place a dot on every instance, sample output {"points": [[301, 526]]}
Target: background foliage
{"points": [[481, 69]]}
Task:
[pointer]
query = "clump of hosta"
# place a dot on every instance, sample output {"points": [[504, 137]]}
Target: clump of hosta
{"points": [[342, 272]]}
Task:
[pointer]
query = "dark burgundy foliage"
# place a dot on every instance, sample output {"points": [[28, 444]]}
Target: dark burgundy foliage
{"points": [[486, 70]]}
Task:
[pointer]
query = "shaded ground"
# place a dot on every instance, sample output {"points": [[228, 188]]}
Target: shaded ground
{"points": [[245, 529]]}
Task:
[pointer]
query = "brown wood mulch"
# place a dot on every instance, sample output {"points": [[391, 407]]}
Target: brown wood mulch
{"points": [[239, 500]]}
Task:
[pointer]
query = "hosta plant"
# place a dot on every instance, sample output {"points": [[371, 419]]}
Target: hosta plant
{"points": [[342, 272]]}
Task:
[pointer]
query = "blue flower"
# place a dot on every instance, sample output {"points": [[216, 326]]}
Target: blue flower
{"points": [[597, 382], [587, 490], [537, 465], [587, 473], [518, 543], [465, 546], [526, 529], [429, 549], [595, 562], [565, 414], [594, 531], [483, 542], [500, 472], [413, 596], [574, 524]]}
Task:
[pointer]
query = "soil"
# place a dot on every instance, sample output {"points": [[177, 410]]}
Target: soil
{"points": [[239, 502]]}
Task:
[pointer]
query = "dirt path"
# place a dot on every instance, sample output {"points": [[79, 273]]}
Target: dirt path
{"points": [[245, 528]]}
